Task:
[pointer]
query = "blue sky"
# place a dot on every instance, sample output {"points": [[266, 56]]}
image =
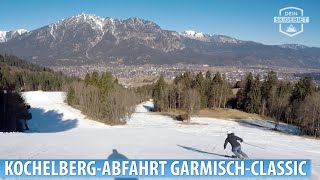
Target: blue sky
{"points": [[242, 19]]}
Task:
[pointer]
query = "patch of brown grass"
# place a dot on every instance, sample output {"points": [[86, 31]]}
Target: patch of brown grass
{"points": [[227, 114], [219, 113]]}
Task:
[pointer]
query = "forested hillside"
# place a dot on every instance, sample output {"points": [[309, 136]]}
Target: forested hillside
{"points": [[102, 98], [17, 75], [292, 103], [21, 75], [190, 93], [297, 104], [99, 96]]}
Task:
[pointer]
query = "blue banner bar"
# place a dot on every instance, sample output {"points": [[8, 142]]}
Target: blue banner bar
{"points": [[286, 168]]}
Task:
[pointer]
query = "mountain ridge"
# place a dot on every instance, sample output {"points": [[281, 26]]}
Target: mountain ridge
{"points": [[87, 38], [7, 35]]}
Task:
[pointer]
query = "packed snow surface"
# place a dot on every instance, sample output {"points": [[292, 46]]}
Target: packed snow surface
{"points": [[59, 131]]}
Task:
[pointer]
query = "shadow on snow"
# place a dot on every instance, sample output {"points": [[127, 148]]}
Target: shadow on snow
{"points": [[268, 125], [115, 155], [200, 151], [149, 108], [49, 122]]}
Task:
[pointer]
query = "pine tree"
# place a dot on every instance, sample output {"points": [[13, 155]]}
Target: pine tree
{"points": [[192, 105], [70, 95], [207, 84], [242, 95], [252, 94], [159, 94], [87, 79], [199, 84], [300, 91], [94, 78], [105, 82], [268, 91]]}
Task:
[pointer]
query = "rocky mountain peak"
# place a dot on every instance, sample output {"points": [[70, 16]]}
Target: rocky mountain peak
{"points": [[7, 35]]}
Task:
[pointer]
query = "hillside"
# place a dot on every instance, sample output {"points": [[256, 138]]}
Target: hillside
{"points": [[22, 75], [59, 131]]}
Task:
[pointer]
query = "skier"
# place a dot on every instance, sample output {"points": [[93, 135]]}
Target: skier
{"points": [[236, 147]]}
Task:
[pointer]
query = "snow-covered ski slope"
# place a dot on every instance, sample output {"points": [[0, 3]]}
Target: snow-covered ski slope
{"points": [[59, 131]]}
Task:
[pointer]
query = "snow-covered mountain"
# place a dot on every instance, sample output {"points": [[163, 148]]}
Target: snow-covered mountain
{"points": [[209, 38], [196, 35], [7, 35], [89, 30], [87, 38]]}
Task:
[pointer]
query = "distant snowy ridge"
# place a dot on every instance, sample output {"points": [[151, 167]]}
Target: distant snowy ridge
{"points": [[209, 38], [193, 34], [7, 35]]}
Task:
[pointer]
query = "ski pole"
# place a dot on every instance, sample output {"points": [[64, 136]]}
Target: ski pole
{"points": [[253, 145]]}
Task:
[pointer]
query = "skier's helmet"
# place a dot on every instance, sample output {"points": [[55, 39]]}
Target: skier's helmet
{"points": [[229, 132]]}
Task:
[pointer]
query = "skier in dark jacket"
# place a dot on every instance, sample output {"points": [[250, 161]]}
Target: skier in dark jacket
{"points": [[236, 147]]}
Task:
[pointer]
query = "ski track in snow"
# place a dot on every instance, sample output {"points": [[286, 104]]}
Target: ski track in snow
{"points": [[59, 131]]}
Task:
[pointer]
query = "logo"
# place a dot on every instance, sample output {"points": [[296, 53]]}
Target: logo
{"points": [[291, 21]]}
